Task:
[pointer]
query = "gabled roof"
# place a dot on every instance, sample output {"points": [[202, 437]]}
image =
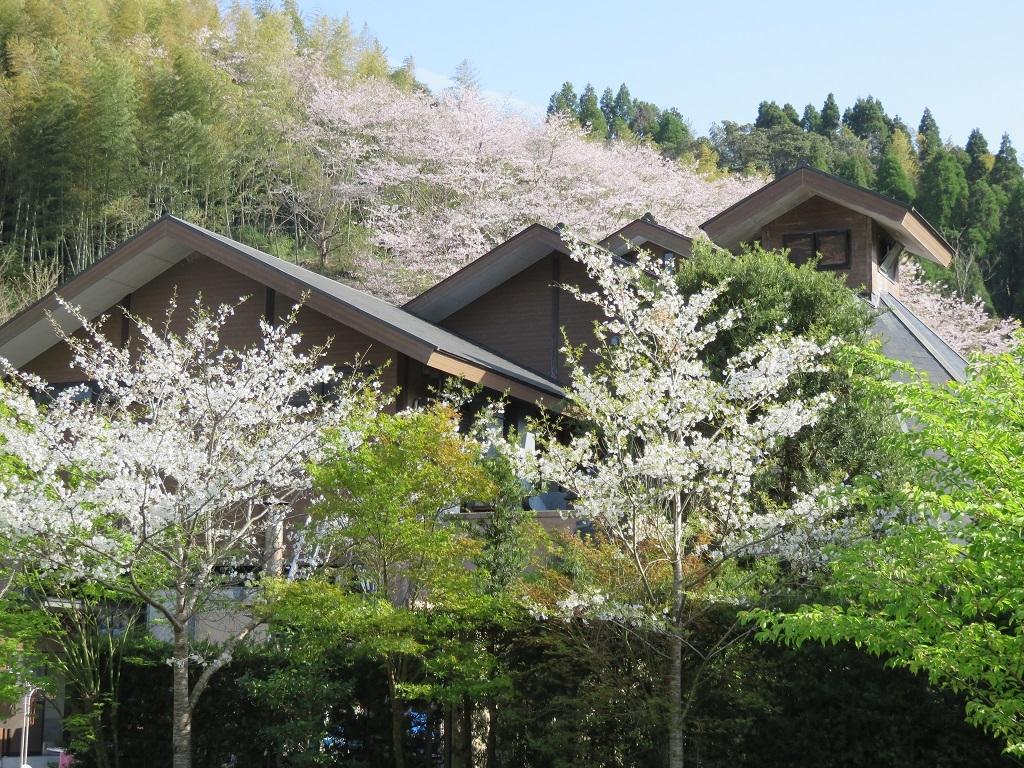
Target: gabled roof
{"points": [[742, 222], [647, 230], [169, 240], [907, 337], [481, 275]]}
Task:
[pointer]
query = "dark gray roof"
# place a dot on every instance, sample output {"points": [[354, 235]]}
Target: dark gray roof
{"points": [[908, 338]]}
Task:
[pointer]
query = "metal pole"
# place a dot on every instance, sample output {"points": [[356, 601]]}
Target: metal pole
{"points": [[24, 727]]}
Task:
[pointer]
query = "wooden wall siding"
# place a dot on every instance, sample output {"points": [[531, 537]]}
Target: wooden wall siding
{"points": [[196, 277], [523, 318], [514, 319], [819, 214], [346, 344], [54, 365], [201, 276], [575, 316]]}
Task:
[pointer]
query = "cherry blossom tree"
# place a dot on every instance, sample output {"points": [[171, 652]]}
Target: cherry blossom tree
{"points": [[170, 477], [964, 325], [667, 450], [443, 179]]}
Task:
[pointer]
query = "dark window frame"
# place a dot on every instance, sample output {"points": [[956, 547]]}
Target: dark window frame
{"points": [[816, 237]]}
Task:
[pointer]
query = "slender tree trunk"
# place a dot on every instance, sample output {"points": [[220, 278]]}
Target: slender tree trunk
{"points": [[675, 645], [492, 734], [181, 726], [115, 731], [100, 751], [397, 720], [674, 684], [467, 731]]}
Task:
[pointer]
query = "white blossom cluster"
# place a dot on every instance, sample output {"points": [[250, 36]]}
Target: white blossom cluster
{"points": [[964, 325], [176, 464], [444, 179], [671, 448]]}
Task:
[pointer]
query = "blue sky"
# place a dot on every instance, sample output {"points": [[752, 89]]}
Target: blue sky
{"points": [[717, 60]]}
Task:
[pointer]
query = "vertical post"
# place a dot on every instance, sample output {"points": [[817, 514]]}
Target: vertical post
{"points": [[556, 290]]}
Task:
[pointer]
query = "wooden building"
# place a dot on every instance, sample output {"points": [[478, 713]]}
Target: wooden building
{"points": [[498, 322]]}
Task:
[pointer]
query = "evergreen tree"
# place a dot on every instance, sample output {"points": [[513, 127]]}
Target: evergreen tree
{"points": [[867, 119], [980, 159], [645, 119], [770, 115], [590, 115], [623, 105], [1007, 284], [673, 134], [984, 214], [608, 105], [829, 116], [929, 140], [944, 193], [892, 179], [466, 77], [1006, 170], [857, 169], [811, 121], [791, 114], [564, 101]]}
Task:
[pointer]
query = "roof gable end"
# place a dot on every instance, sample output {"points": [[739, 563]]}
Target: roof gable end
{"points": [[742, 221]]}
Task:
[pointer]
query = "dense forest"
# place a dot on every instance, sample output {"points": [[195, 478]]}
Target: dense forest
{"points": [[974, 196]]}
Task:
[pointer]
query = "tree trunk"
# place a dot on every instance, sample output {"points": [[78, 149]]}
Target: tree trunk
{"points": [[674, 684], [397, 720], [492, 734], [181, 725], [115, 731], [467, 731], [100, 752]]}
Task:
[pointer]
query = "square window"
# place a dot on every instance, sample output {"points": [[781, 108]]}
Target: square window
{"points": [[801, 247], [834, 248]]}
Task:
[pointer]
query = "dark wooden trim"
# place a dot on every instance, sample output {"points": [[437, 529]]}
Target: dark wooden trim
{"points": [[401, 381], [556, 292], [270, 306], [126, 325]]}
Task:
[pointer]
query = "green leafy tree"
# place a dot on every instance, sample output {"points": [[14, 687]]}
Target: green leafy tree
{"points": [[623, 105], [673, 134], [608, 105], [645, 119], [590, 115], [1008, 281], [770, 115], [867, 119], [940, 591], [410, 600], [980, 158], [830, 117], [1006, 170], [563, 101], [892, 179], [943, 194], [929, 140], [811, 120]]}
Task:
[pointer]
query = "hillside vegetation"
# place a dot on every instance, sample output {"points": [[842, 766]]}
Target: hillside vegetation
{"points": [[290, 133], [973, 195], [295, 135]]}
